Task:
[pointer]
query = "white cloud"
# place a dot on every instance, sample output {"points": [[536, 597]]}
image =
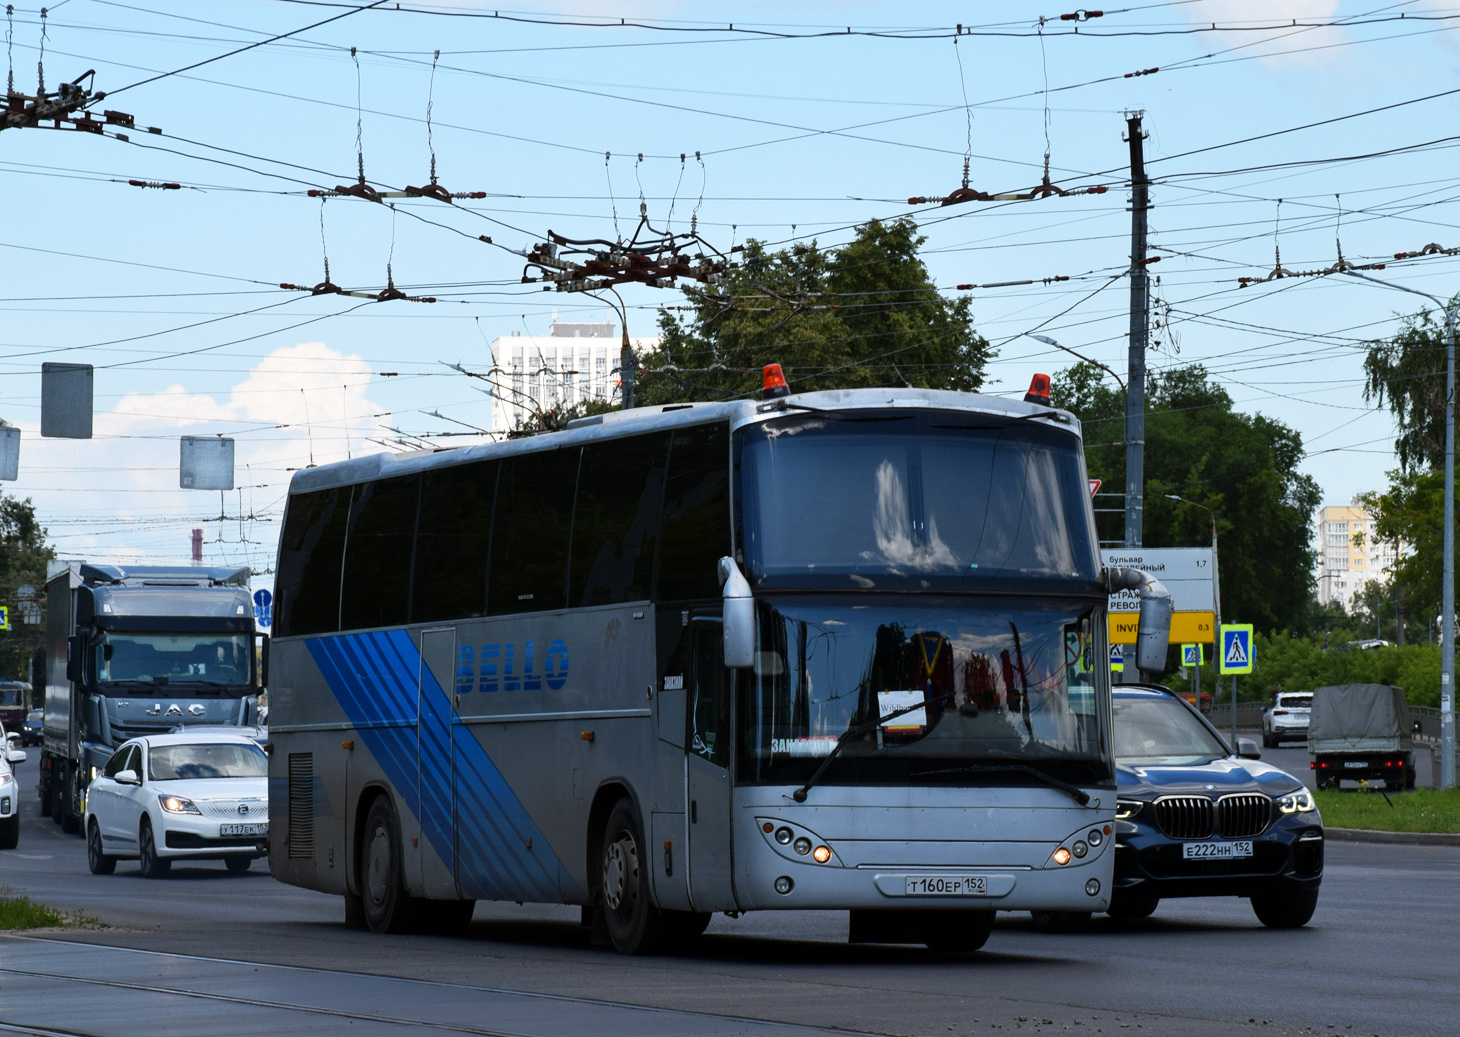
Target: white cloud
{"points": [[1281, 46]]}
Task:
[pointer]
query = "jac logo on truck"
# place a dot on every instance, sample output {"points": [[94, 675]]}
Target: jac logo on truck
{"points": [[508, 666]]}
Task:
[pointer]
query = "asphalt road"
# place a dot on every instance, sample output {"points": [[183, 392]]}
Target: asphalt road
{"points": [[209, 952]]}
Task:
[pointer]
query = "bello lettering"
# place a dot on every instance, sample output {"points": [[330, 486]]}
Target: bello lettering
{"points": [[508, 666]]}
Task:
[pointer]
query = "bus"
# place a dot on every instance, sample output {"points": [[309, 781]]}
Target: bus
{"points": [[839, 650]]}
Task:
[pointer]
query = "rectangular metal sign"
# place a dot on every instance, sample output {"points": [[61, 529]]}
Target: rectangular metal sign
{"points": [[1186, 573], [207, 463], [66, 392]]}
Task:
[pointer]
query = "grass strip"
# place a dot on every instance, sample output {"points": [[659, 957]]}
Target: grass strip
{"points": [[1420, 810], [21, 912]]}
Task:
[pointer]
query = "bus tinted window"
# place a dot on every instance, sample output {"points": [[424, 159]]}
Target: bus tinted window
{"points": [[616, 520], [530, 530], [375, 591], [696, 524], [310, 549], [452, 541]]}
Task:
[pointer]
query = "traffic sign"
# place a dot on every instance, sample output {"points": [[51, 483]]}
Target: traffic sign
{"points": [[263, 607], [1117, 660], [1094, 486], [1193, 655], [4, 617], [1236, 654]]}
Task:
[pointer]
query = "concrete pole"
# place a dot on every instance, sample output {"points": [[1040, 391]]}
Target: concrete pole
{"points": [[1447, 587], [1140, 323]]}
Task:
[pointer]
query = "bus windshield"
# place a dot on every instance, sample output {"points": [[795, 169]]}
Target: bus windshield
{"points": [[125, 659], [915, 495], [992, 683]]}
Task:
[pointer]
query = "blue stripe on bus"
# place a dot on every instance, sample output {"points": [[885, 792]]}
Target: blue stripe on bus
{"points": [[502, 855]]}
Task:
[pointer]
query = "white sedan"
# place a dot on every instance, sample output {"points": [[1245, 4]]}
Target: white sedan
{"points": [[179, 797], [10, 753]]}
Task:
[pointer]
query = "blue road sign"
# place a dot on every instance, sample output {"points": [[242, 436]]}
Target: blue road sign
{"points": [[263, 607], [1117, 660], [1191, 655], [1236, 654]]}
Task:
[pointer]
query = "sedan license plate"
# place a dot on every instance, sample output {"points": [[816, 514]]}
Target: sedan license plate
{"points": [[255, 829], [947, 886], [1217, 851]]}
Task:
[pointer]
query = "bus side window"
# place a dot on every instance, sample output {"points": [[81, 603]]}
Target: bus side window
{"points": [[452, 539], [696, 523], [311, 550], [709, 715], [530, 530], [377, 580], [616, 520]]}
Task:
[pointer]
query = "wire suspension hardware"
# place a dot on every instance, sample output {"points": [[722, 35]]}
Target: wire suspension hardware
{"points": [[568, 265], [64, 109]]}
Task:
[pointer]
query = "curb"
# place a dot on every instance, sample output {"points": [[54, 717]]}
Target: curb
{"points": [[1365, 835]]}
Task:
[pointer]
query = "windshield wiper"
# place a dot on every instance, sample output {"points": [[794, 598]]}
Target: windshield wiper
{"points": [[800, 794], [1076, 793]]}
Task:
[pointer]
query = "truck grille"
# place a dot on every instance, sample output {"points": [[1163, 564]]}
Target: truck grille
{"points": [[1239, 816], [1243, 816], [1185, 817], [301, 806]]}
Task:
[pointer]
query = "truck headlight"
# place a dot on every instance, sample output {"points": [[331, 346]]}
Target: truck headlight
{"points": [[178, 805], [1300, 802]]}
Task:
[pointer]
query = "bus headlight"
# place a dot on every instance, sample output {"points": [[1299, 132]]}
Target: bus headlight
{"points": [[821, 854], [1062, 856]]}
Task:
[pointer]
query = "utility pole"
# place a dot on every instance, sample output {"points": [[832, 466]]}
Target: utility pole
{"points": [[1140, 323]]}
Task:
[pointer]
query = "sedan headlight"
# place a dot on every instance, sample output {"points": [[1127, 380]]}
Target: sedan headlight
{"points": [[178, 805], [6, 777], [1300, 802], [1125, 809]]}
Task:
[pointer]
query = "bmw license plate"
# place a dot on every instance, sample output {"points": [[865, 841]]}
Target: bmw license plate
{"points": [[256, 829], [1217, 851], [947, 886]]}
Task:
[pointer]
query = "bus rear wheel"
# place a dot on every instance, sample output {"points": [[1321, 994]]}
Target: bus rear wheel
{"points": [[634, 924], [386, 905]]}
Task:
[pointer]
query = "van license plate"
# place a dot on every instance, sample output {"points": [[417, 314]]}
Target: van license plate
{"points": [[947, 886], [1217, 851], [257, 829]]}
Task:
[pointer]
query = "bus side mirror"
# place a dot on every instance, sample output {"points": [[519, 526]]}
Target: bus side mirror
{"points": [[738, 616], [1153, 634], [264, 660], [75, 651]]}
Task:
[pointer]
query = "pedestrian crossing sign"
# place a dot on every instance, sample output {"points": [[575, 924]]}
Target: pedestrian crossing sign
{"points": [[4, 617], [1192, 655], [1117, 660], [1236, 647]]}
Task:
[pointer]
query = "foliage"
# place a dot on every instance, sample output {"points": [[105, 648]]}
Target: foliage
{"points": [[23, 556], [1412, 512], [553, 420], [21, 912], [1243, 467], [1408, 373], [1420, 810], [866, 314], [1298, 663]]}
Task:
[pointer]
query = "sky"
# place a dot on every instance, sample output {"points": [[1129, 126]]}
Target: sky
{"points": [[1279, 133]]}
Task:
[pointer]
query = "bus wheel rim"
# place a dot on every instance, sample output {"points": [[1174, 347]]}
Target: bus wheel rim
{"points": [[377, 878], [620, 874]]}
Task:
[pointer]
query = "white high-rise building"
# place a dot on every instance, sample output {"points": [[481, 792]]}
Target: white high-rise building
{"points": [[573, 363], [1348, 554]]}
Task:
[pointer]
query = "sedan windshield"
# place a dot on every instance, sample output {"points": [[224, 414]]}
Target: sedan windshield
{"points": [[124, 658], [1161, 730], [979, 690], [915, 495], [206, 760]]}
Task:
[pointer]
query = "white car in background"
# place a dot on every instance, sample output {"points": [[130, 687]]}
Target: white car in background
{"points": [[184, 796], [10, 753], [1287, 717]]}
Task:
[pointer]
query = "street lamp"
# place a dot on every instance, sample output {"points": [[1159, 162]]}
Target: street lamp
{"points": [[1216, 619], [1447, 620]]}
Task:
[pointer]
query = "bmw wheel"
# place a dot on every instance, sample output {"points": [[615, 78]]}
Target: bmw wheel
{"points": [[1285, 910]]}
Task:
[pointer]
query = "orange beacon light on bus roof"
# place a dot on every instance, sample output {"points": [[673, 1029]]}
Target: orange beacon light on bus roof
{"points": [[1038, 390], [774, 382]]}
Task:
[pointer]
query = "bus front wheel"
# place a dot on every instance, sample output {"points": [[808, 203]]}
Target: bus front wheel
{"points": [[634, 924], [383, 895]]}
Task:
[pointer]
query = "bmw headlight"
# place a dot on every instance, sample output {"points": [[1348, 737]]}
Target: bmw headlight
{"points": [[178, 805], [1125, 809], [1300, 802]]}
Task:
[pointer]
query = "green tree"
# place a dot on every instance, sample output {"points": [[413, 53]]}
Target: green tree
{"points": [[1411, 514], [1407, 373], [866, 314], [1244, 467], [23, 556]]}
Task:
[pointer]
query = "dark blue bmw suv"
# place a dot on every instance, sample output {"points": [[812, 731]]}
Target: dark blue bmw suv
{"points": [[1194, 819]]}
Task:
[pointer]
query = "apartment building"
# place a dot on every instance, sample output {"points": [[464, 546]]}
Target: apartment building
{"points": [[1348, 554]]}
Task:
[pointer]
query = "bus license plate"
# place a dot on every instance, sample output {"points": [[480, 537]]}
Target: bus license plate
{"points": [[256, 829], [947, 886], [1217, 851]]}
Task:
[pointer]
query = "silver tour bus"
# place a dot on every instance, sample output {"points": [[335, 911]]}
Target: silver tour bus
{"points": [[835, 650]]}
